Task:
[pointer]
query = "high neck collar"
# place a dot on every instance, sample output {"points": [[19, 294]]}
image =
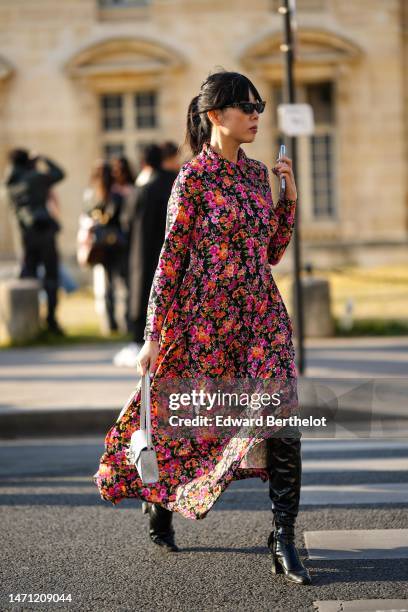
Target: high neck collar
{"points": [[241, 165]]}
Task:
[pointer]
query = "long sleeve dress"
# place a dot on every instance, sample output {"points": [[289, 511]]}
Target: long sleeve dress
{"points": [[216, 311]]}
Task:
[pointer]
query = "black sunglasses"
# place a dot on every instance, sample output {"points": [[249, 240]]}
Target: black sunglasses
{"points": [[249, 107]]}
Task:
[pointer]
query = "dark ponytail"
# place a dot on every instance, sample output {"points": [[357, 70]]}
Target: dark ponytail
{"points": [[217, 91], [198, 126]]}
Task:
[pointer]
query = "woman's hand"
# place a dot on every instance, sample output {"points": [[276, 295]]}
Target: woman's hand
{"points": [[283, 167], [147, 357]]}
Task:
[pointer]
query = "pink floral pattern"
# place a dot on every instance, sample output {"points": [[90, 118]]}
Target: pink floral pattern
{"points": [[216, 311]]}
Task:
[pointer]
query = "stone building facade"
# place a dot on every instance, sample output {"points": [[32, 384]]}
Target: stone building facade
{"points": [[85, 78]]}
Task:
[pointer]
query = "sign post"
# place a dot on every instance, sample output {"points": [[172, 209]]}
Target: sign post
{"points": [[292, 117]]}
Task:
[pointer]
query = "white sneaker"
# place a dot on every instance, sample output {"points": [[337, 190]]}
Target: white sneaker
{"points": [[127, 357], [119, 357]]}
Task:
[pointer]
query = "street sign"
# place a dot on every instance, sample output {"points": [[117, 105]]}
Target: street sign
{"points": [[296, 119]]}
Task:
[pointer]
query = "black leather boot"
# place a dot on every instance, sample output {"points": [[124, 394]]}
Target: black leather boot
{"points": [[285, 472], [161, 531], [285, 557]]}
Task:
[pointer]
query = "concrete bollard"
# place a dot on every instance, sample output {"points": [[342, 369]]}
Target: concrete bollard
{"points": [[317, 317], [19, 310]]}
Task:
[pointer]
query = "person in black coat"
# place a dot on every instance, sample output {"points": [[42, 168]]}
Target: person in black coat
{"points": [[28, 187], [160, 166], [147, 236], [124, 184]]}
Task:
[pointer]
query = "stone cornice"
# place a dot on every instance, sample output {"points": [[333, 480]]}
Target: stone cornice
{"points": [[315, 47], [123, 56]]}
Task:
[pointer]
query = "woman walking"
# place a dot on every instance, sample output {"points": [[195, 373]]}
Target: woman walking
{"points": [[214, 310], [105, 205]]}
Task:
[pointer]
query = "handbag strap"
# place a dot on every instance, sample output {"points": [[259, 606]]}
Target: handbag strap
{"points": [[145, 423]]}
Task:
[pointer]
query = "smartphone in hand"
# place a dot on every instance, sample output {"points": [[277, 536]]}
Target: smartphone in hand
{"points": [[282, 188]]}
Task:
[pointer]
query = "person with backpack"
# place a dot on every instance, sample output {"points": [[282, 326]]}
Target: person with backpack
{"points": [[28, 185]]}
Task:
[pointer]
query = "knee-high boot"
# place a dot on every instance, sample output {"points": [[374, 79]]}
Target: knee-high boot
{"points": [[285, 471]]}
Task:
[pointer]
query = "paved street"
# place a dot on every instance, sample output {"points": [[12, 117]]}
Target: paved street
{"points": [[58, 536]]}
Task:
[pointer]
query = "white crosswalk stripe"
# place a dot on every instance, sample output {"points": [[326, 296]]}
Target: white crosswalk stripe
{"points": [[368, 458], [381, 470]]}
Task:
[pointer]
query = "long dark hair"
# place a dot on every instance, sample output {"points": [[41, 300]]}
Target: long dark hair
{"points": [[217, 91], [125, 169], [102, 178]]}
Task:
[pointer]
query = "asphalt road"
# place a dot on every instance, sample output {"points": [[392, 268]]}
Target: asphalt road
{"points": [[59, 537]]}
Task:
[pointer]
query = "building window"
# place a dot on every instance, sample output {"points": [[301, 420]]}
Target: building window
{"points": [[320, 97], [113, 150], [322, 175], [316, 153], [112, 112], [145, 109], [128, 121]]}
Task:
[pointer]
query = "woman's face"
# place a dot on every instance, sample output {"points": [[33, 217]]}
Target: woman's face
{"points": [[235, 124]]}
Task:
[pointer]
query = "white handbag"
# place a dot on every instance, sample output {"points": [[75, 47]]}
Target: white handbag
{"points": [[141, 451]]}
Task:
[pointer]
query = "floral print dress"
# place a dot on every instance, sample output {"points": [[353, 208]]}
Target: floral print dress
{"points": [[216, 311]]}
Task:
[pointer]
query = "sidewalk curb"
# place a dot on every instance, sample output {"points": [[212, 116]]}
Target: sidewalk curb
{"points": [[75, 422]]}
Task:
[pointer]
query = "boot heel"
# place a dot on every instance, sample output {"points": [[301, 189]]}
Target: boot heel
{"points": [[276, 566]]}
